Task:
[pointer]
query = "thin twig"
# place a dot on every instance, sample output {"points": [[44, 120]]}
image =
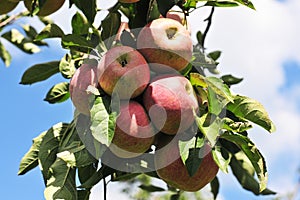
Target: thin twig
{"points": [[104, 186], [209, 21], [12, 18]]}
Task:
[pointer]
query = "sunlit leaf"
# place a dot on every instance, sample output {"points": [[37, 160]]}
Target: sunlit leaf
{"points": [[20, 41], [67, 66], [250, 109], [80, 24], [5, 55], [77, 42], [39, 72], [222, 157], [30, 159], [58, 93]]}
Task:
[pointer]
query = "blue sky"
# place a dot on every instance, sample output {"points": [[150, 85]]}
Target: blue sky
{"points": [[271, 76]]}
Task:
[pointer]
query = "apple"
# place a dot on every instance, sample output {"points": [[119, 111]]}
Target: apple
{"points": [[49, 7], [166, 45], [128, 1], [171, 169], [134, 133], [84, 76], [7, 6], [124, 72], [171, 102], [181, 18]]}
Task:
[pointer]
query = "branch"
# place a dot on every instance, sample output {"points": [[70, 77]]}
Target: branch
{"points": [[209, 19], [12, 18]]}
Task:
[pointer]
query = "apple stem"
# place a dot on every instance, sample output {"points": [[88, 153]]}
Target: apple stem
{"points": [[124, 63]]}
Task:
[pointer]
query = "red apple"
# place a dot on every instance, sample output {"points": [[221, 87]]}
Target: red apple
{"points": [[123, 71], [171, 102], [166, 45], [133, 133], [84, 76], [171, 169], [181, 18]]}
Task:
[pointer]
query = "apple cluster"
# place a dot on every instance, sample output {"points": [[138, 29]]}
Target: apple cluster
{"points": [[156, 102]]}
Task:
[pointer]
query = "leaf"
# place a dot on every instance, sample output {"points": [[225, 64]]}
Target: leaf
{"points": [[221, 4], [50, 31], [19, 40], [247, 3], [58, 93], [39, 72], [67, 66], [222, 157], [165, 6], [239, 127], [83, 194], [77, 42], [61, 184], [30, 159], [247, 180], [110, 26], [210, 126], [103, 172], [49, 147], [5, 55], [199, 36], [32, 33], [215, 186], [215, 55], [80, 25], [254, 155], [86, 172], [87, 7], [231, 80], [250, 109], [103, 123], [151, 188]]}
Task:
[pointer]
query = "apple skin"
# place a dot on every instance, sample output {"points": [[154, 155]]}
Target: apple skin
{"points": [[171, 169], [134, 133], [170, 101], [179, 16], [123, 71], [48, 8], [84, 76], [165, 42], [128, 1]]}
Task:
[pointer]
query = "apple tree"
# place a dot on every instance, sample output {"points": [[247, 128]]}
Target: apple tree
{"points": [[150, 101]]}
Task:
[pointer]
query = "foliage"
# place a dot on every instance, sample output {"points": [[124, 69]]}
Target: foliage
{"points": [[61, 152]]}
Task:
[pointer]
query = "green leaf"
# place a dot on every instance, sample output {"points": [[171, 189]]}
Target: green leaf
{"points": [[222, 157], [110, 26], [219, 95], [231, 80], [165, 6], [83, 194], [210, 127], [199, 36], [103, 172], [19, 40], [246, 179], [254, 155], [221, 4], [247, 3], [215, 55], [67, 66], [103, 123], [50, 31], [5, 55], [86, 172], [58, 93], [238, 127], [215, 186], [151, 188], [32, 33], [80, 25], [203, 61], [250, 109], [61, 184], [30, 159], [87, 7], [39, 72], [197, 79], [77, 43], [49, 147]]}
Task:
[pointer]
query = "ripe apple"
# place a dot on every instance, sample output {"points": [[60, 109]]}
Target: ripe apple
{"points": [[84, 76], [179, 16], [166, 45], [49, 7], [171, 169], [171, 102], [128, 1], [123, 71], [7, 6], [134, 133]]}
